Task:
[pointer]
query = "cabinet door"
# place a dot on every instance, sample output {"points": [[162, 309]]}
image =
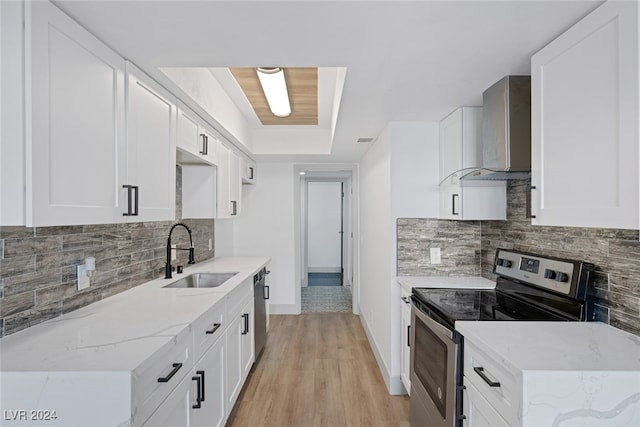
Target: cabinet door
{"points": [[450, 144], [248, 340], [247, 171], [235, 183], [405, 361], [210, 152], [451, 199], [151, 147], [585, 122], [477, 411], [75, 134], [234, 363], [189, 136], [175, 410], [223, 195], [211, 412]]}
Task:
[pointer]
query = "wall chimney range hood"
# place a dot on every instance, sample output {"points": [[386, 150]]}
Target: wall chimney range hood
{"points": [[506, 130]]}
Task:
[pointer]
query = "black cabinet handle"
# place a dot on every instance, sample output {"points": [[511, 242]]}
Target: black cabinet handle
{"points": [[250, 172], [246, 324], [234, 207], [198, 380], [453, 204], [528, 202], [135, 203], [129, 191], [216, 326], [205, 144], [408, 335], [406, 300], [201, 373], [480, 371], [266, 292], [176, 368]]}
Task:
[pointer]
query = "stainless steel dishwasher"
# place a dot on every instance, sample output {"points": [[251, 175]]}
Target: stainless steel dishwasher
{"points": [[260, 297]]}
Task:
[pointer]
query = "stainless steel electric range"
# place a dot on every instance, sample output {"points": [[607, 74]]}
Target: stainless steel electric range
{"points": [[529, 287]]}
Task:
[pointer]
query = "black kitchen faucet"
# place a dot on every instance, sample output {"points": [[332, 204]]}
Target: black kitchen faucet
{"points": [[167, 268]]}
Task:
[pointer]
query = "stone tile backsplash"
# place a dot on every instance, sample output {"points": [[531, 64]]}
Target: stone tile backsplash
{"points": [[615, 253], [38, 264], [459, 243]]}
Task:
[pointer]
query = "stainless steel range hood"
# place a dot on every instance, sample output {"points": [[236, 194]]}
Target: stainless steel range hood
{"points": [[506, 130]]}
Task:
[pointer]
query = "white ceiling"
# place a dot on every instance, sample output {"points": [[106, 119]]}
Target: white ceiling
{"points": [[405, 60]]}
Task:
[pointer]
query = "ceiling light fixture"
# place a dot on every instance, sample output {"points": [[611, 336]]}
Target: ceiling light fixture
{"points": [[275, 90]]}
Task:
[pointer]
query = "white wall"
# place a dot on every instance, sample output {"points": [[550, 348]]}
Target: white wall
{"points": [[265, 227], [324, 218], [399, 179], [375, 249]]}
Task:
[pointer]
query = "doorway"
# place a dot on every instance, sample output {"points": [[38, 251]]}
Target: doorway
{"points": [[326, 247], [325, 233]]}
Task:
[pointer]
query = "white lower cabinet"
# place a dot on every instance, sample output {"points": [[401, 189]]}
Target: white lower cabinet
{"points": [[210, 369], [240, 351], [175, 410], [405, 361], [478, 412]]}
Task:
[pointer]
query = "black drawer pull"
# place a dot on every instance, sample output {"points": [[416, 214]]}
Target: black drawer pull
{"points": [[246, 324], [198, 380], [216, 326], [176, 368], [480, 371], [266, 292], [408, 335]]}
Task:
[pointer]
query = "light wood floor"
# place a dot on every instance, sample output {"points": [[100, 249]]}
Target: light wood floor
{"points": [[317, 369]]}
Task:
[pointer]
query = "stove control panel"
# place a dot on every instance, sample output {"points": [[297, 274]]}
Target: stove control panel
{"points": [[549, 273]]}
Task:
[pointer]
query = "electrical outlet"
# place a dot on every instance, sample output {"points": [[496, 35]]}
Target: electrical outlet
{"points": [[435, 256], [174, 254], [210, 245]]}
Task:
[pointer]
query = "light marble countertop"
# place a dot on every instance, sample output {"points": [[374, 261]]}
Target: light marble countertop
{"points": [[120, 332], [469, 282], [556, 346], [568, 373]]}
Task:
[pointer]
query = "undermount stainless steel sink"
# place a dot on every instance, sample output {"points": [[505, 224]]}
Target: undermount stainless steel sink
{"points": [[202, 280]]}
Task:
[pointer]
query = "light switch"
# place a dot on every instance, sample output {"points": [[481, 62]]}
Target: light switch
{"points": [[435, 256]]}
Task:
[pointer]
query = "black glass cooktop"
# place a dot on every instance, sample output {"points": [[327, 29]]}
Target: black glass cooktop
{"points": [[510, 301]]}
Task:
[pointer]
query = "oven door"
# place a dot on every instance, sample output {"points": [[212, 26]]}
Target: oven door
{"points": [[435, 369]]}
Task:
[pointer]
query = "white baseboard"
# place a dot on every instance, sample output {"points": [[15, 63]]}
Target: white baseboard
{"points": [[284, 309], [393, 382]]}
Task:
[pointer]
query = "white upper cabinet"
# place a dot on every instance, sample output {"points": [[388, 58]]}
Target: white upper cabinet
{"points": [[195, 138], [585, 123], [228, 183], [75, 132], [151, 149], [461, 153], [247, 170], [460, 142]]}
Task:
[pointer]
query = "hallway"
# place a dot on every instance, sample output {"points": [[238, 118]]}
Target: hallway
{"points": [[317, 369]]}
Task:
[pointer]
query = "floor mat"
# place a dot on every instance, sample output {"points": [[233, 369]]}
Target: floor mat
{"points": [[324, 279], [326, 299]]}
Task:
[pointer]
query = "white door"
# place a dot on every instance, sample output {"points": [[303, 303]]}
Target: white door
{"points": [[324, 227], [234, 360]]}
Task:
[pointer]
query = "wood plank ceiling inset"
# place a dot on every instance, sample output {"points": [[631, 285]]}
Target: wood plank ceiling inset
{"points": [[302, 85]]}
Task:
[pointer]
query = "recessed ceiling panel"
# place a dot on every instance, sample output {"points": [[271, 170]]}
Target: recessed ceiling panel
{"points": [[302, 85]]}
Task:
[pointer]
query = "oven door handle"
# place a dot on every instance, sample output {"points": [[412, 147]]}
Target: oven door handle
{"points": [[432, 324]]}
